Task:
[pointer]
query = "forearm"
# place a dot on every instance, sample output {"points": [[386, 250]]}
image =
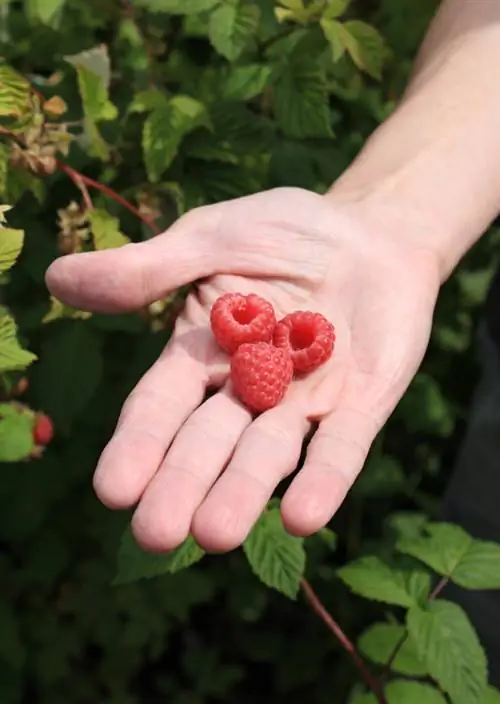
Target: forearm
{"points": [[433, 168]]}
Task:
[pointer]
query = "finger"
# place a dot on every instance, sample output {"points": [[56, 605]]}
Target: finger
{"points": [[161, 402], [267, 452], [198, 455], [334, 459], [135, 275]]}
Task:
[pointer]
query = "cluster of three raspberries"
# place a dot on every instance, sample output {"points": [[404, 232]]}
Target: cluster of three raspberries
{"points": [[266, 352]]}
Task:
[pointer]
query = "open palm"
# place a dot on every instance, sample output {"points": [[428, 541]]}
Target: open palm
{"points": [[209, 466]]}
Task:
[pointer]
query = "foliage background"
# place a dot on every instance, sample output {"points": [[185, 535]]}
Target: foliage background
{"points": [[199, 109]]}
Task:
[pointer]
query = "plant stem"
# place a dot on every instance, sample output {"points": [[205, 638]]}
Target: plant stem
{"points": [[439, 588], [372, 682], [97, 185], [80, 184]]}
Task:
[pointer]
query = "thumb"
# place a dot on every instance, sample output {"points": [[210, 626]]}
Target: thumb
{"points": [[132, 276]]}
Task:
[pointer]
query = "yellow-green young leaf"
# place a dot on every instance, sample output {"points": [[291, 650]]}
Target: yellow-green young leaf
{"points": [[178, 7], [11, 243], [94, 73], [14, 93], [365, 46], [135, 564], [448, 645], [146, 100], [106, 230], [16, 436], [47, 12], [371, 578], [450, 551], [335, 8], [277, 558], [12, 355], [334, 33], [4, 165], [245, 82], [232, 26], [58, 310], [165, 129], [300, 101], [403, 692], [380, 641]]}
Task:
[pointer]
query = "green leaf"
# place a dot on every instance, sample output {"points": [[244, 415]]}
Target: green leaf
{"points": [[245, 82], [335, 34], [300, 100], [178, 7], [69, 372], [276, 557], [448, 645], [451, 552], [403, 692], [16, 435], [371, 578], [14, 93], [47, 12], [12, 355], [59, 310], [379, 642], [232, 26], [335, 8], [106, 230], [134, 563], [492, 696], [4, 167], [165, 128], [11, 243], [365, 46], [93, 70], [12, 650]]}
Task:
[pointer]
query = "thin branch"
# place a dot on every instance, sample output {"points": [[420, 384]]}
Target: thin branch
{"points": [[80, 184], [439, 588], [97, 185], [372, 682]]}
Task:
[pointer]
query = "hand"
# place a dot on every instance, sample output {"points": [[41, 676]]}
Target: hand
{"points": [[208, 466]]}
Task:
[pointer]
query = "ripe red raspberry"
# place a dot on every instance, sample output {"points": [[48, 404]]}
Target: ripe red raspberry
{"points": [[261, 374], [237, 319], [43, 430], [308, 337]]}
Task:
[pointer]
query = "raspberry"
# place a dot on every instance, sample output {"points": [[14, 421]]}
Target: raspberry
{"points": [[237, 319], [43, 431], [308, 337], [261, 374]]}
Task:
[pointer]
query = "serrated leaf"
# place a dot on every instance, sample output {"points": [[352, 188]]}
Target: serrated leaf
{"points": [[45, 11], [451, 552], [300, 101], [276, 557], [69, 372], [448, 645], [106, 230], [135, 564], [11, 243], [371, 578], [245, 82], [366, 47], [16, 436], [403, 692], [380, 641], [334, 33], [232, 26], [93, 70], [14, 93], [12, 355], [178, 7], [164, 130]]}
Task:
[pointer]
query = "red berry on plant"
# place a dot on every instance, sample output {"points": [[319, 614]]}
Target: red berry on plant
{"points": [[308, 337], [43, 430], [237, 319], [261, 375]]}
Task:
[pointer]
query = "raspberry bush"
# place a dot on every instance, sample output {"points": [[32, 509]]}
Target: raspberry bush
{"points": [[115, 118]]}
